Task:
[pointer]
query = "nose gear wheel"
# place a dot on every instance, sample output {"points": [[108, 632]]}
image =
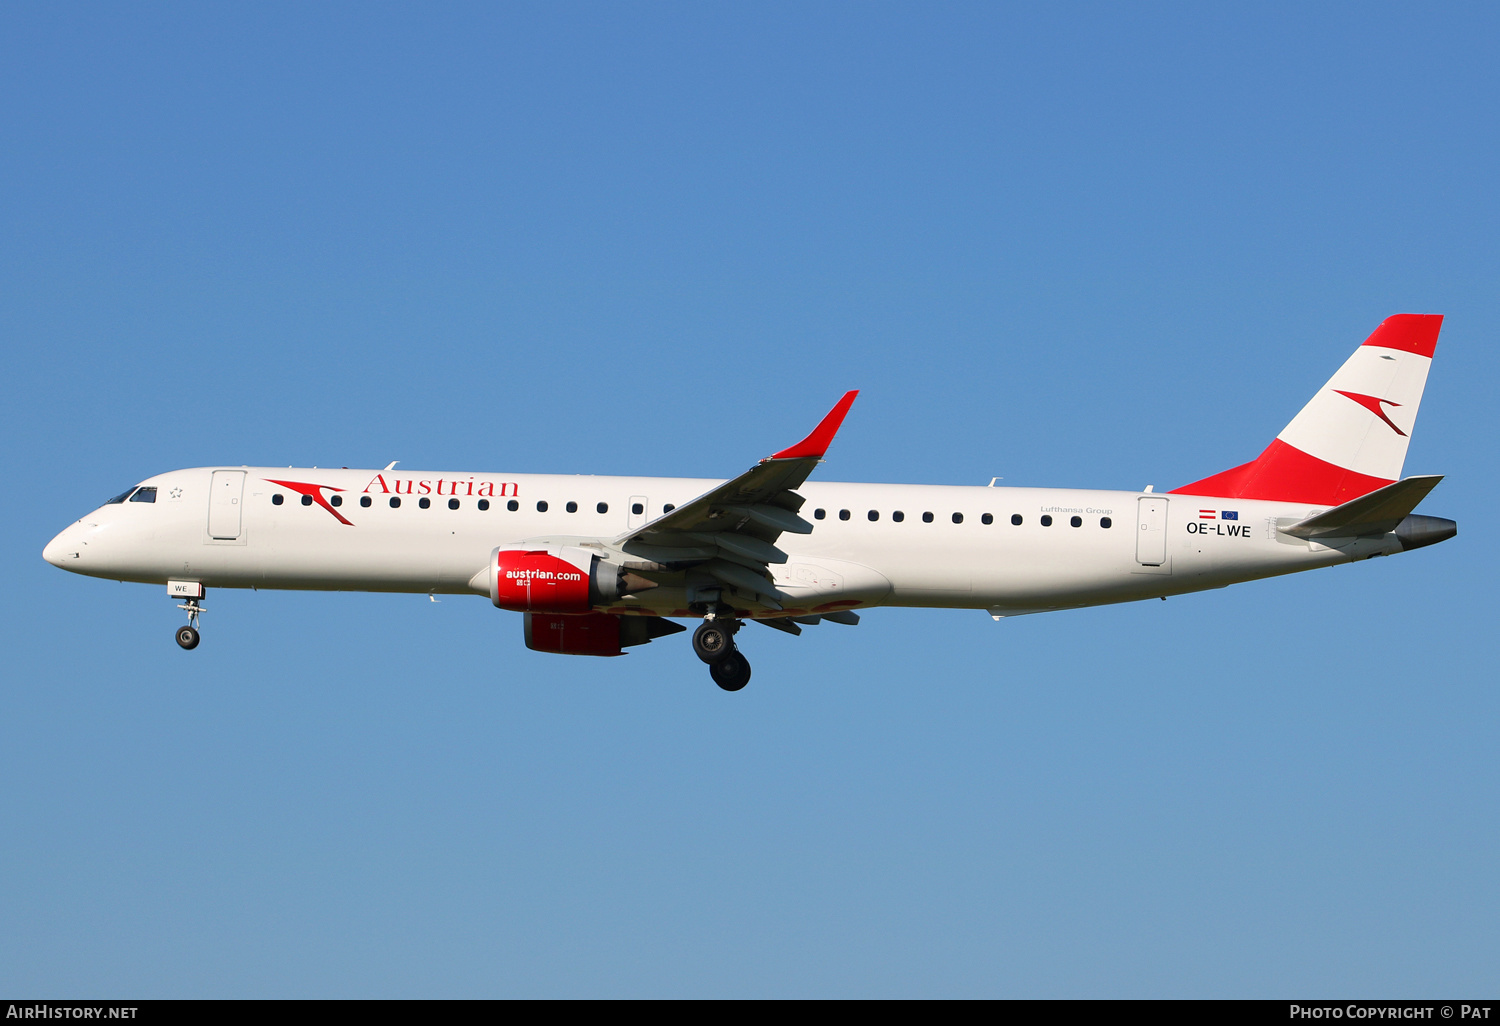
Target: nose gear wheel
{"points": [[188, 637]]}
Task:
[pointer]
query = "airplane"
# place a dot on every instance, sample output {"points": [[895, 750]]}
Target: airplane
{"points": [[597, 565]]}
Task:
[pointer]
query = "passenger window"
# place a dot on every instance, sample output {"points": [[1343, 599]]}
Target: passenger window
{"points": [[335, 500], [395, 502], [926, 518], [987, 519], [483, 504], [1106, 523], [364, 500], [144, 494], [1046, 521], [572, 507], [119, 498], [1015, 518], [307, 500], [276, 500], [958, 518], [424, 502], [512, 505], [1076, 521], [843, 514], [453, 504], [898, 516], [669, 507], [637, 508], [603, 507], [541, 507], [819, 514], [874, 515]]}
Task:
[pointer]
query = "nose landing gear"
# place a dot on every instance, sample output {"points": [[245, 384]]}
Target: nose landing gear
{"points": [[713, 642], [187, 636]]}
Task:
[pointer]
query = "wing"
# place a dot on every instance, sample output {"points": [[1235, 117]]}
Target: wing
{"points": [[729, 533]]}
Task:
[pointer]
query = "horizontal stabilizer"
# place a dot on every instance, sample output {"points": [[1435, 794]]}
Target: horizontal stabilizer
{"points": [[1378, 512]]}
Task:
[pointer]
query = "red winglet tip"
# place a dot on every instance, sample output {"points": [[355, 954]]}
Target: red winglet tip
{"points": [[816, 444], [1411, 333]]}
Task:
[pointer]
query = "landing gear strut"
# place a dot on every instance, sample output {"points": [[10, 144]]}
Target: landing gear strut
{"points": [[187, 636], [713, 642]]}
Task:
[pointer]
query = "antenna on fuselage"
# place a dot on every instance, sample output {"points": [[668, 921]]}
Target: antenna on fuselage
{"points": [[391, 465]]}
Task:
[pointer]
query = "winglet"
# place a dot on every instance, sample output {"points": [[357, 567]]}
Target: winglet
{"points": [[816, 444]]}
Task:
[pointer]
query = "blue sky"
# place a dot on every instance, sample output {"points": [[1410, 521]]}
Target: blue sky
{"points": [[1072, 245]]}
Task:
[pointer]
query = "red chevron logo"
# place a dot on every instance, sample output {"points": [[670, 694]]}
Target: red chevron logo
{"points": [[316, 492], [1372, 404]]}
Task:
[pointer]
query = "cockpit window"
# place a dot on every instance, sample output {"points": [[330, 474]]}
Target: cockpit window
{"points": [[121, 497], [144, 494]]}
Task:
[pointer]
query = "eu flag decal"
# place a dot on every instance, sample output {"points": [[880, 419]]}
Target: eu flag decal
{"points": [[1229, 514]]}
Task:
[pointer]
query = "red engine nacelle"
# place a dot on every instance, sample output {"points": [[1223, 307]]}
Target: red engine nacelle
{"points": [[595, 634], [568, 579], [538, 581]]}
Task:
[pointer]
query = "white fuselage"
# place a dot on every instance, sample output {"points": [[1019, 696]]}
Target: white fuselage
{"points": [[951, 546]]}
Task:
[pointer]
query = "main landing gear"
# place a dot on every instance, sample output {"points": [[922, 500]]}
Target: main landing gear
{"points": [[713, 642], [732, 672], [187, 636]]}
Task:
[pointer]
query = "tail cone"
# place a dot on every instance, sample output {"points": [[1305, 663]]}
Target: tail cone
{"points": [[1416, 531]]}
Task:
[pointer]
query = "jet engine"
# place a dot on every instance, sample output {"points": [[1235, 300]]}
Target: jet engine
{"points": [[594, 634], [566, 579]]}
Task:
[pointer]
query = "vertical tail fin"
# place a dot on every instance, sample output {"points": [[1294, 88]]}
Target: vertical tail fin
{"points": [[1351, 437]]}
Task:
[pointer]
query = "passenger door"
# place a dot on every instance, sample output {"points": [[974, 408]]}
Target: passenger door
{"points": [[225, 497], [1151, 533]]}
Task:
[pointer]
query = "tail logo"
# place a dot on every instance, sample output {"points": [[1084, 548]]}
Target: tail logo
{"points": [[1372, 404]]}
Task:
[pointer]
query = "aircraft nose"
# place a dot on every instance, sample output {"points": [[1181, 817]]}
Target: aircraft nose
{"points": [[63, 549]]}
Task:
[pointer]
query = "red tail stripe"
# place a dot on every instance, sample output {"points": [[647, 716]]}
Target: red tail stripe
{"points": [[1410, 333], [1286, 473]]}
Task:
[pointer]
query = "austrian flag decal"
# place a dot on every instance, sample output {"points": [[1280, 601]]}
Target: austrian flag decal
{"points": [[1215, 514]]}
